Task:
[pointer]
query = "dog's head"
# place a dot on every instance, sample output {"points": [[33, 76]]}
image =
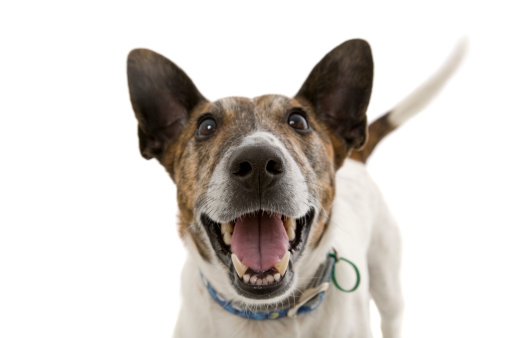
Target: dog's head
{"points": [[255, 177]]}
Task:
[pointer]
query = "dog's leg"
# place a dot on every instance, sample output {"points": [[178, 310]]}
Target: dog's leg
{"points": [[384, 260]]}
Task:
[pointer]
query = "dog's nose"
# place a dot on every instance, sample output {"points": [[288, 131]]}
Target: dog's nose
{"points": [[257, 167]]}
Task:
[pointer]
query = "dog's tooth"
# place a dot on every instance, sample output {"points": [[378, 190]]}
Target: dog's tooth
{"points": [[289, 222], [253, 279], [246, 278], [277, 277], [270, 278], [259, 281], [226, 227], [240, 267], [227, 238], [281, 266], [291, 234]]}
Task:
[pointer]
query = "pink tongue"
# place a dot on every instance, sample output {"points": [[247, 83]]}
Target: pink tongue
{"points": [[259, 241]]}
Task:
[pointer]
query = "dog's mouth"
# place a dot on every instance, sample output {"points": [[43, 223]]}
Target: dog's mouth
{"points": [[260, 249]]}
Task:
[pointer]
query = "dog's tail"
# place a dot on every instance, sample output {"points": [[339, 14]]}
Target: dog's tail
{"points": [[411, 105]]}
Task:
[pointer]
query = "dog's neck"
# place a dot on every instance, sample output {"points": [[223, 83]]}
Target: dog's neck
{"points": [[305, 302]]}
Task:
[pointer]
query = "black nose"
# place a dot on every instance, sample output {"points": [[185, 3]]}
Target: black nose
{"points": [[257, 167]]}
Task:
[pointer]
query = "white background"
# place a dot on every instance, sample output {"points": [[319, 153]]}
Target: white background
{"points": [[88, 241]]}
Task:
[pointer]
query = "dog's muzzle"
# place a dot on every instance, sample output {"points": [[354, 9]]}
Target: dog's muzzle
{"points": [[261, 245]]}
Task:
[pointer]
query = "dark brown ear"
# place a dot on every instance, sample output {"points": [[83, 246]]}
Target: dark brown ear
{"points": [[339, 89], [162, 96]]}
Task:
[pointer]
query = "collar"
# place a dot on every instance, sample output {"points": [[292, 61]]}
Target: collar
{"points": [[308, 300]]}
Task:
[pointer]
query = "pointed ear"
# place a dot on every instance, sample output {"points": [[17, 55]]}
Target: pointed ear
{"points": [[339, 89], [162, 97]]}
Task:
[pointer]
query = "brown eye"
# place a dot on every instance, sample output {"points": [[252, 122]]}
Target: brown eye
{"points": [[206, 128], [298, 121]]}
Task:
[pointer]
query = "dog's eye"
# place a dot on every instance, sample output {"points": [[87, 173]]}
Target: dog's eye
{"points": [[207, 127], [298, 121]]}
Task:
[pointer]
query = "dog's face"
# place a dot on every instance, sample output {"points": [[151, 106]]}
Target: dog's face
{"points": [[255, 177]]}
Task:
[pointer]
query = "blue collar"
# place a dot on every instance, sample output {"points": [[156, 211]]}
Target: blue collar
{"points": [[307, 301]]}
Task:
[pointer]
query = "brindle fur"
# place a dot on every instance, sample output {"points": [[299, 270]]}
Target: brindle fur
{"points": [[236, 117], [376, 132]]}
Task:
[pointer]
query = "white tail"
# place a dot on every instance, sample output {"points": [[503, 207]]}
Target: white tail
{"points": [[412, 104], [420, 97]]}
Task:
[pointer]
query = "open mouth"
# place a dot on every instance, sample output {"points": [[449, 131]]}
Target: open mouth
{"points": [[260, 249]]}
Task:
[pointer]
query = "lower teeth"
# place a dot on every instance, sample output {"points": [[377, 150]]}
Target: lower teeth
{"points": [[280, 267], [257, 280]]}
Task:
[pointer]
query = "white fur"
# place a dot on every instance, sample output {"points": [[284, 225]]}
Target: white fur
{"points": [[362, 230], [420, 97]]}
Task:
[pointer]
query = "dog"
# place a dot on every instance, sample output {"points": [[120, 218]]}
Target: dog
{"points": [[287, 234]]}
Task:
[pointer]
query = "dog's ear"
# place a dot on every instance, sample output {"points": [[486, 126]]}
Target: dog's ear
{"points": [[162, 97], [339, 89]]}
